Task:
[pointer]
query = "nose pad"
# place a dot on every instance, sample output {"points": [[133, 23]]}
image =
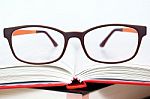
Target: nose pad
{"points": [[71, 53], [74, 56]]}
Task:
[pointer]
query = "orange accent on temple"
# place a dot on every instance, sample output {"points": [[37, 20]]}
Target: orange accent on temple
{"points": [[22, 32], [129, 30]]}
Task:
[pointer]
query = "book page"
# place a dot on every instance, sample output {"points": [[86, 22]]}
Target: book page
{"points": [[21, 74], [139, 64], [136, 69]]}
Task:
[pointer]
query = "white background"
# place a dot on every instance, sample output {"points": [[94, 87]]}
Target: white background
{"points": [[73, 15]]}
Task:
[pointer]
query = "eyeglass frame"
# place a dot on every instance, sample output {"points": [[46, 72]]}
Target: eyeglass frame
{"points": [[141, 30]]}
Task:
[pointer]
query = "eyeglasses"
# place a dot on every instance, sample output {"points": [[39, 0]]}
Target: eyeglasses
{"points": [[110, 43]]}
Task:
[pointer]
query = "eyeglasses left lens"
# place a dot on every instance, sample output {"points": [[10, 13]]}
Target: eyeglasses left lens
{"points": [[37, 45]]}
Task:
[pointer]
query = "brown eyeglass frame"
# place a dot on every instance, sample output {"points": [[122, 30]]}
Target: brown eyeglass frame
{"points": [[141, 30]]}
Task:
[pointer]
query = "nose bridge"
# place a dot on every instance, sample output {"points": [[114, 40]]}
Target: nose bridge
{"points": [[75, 34]]}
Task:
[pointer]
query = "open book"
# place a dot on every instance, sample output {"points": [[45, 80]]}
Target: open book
{"points": [[74, 70]]}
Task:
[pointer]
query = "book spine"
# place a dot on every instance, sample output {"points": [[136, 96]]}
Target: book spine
{"points": [[76, 84]]}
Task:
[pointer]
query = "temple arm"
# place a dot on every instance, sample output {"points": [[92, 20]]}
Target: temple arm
{"points": [[22, 32], [130, 30]]}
